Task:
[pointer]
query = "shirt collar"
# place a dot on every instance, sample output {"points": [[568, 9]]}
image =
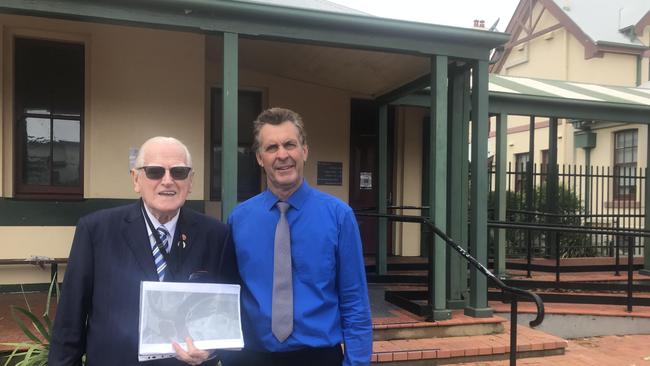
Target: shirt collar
{"points": [[296, 200], [170, 225]]}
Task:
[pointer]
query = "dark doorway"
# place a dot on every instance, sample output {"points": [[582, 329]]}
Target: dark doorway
{"points": [[364, 162], [248, 171]]}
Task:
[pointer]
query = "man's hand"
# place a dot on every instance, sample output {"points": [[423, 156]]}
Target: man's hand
{"points": [[193, 355]]}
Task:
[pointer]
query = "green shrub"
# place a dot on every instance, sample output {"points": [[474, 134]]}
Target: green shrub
{"points": [[568, 206]]}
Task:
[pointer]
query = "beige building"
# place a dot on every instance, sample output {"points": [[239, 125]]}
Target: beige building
{"points": [[589, 44], [85, 83]]}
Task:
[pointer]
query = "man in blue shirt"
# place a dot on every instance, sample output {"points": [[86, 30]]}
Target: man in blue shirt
{"points": [[327, 296]]}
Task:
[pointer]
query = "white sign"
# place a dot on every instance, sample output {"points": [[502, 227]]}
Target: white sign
{"points": [[365, 180]]}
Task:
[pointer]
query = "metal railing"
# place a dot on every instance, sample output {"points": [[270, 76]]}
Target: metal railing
{"points": [[596, 244], [566, 229], [593, 196], [514, 292]]}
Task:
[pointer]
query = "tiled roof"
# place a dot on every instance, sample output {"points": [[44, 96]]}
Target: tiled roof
{"points": [[610, 21]]}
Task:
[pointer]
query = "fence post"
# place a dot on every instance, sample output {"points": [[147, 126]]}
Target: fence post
{"points": [[513, 331], [557, 258], [617, 254], [630, 271], [529, 254]]}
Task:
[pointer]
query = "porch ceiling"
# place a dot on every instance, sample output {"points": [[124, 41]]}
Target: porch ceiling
{"points": [[367, 73], [348, 51]]}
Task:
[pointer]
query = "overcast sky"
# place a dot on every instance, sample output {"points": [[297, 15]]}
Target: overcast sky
{"points": [[460, 13]]}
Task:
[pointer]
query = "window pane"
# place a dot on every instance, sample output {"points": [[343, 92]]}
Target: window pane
{"points": [[628, 155], [37, 151], [68, 80], [66, 152], [521, 161], [36, 110], [620, 140], [629, 139], [618, 157], [32, 76]]}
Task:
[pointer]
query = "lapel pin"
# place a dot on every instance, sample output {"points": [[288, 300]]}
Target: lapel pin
{"points": [[183, 242]]}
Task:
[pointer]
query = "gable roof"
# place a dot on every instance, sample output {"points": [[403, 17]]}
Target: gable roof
{"points": [[599, 25]]}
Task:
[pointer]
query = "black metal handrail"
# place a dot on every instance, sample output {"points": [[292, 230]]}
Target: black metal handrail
{"points": [[517, 292], [568, 228], [371, 209], [563, 215]]}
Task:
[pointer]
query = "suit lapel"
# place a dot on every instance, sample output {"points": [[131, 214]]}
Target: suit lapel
{"points": [[134, 233], [186, 231]]}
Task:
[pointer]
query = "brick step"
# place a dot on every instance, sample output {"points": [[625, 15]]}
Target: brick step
{"points": [[401, 325], [454, 350]]}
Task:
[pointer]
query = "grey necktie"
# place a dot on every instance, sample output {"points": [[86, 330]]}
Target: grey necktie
{"points": [[282, 303]]}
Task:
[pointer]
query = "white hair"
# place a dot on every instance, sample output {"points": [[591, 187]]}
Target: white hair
{"points": [[139, 160]]}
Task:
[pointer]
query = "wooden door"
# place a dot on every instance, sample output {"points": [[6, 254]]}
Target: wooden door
{"points": [[364, 161]]}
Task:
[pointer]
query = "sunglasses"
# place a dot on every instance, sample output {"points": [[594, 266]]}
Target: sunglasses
{"points": [[158, 172]]}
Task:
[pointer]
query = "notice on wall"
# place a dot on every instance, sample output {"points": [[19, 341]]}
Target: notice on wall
{"points": [[365, 180], [329, 173], [133, 154]]}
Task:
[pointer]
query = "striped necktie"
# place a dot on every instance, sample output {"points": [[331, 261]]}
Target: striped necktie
{"points": [[159, 260]]}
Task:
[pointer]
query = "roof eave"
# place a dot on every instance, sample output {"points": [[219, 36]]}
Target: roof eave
{"points": [[264, 20], [609, 44], [523, 104]]}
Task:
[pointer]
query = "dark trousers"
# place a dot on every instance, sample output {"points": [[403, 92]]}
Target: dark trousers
{"points": [[331, 356]]}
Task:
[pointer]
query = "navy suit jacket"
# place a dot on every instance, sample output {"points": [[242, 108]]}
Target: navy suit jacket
{"points": [[110, 256]]}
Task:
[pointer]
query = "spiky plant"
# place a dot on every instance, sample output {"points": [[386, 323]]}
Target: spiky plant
{"points": [[35, 351]]}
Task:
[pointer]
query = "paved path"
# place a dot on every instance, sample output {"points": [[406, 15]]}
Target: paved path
{"points": [[632, 350]]}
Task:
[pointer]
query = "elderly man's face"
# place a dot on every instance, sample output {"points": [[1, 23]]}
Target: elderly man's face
{"points": [[166, 195], [282, 156]]}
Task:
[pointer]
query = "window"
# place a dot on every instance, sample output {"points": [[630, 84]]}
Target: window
{"points": [[521, 166], [48, 115], [543, 168], [248, 171], [625, 150]]}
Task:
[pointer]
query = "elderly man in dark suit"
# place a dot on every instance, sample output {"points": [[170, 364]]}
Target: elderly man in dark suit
{"points": [[115, 249]]}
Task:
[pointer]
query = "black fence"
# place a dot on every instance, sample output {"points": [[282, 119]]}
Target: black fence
{"points": [[590, 197]]}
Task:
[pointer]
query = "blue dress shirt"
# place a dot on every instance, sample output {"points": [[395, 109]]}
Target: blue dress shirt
{"points": [[329, 284]]}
